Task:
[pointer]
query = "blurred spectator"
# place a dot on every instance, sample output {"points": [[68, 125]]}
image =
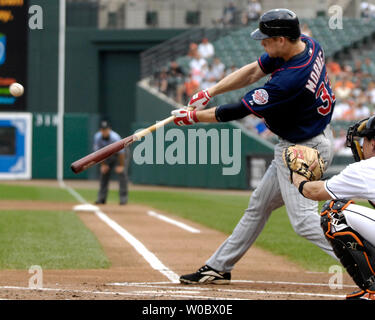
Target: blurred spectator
{"points": [[357, 66], [206, 49], [213, 74], [228, 17], [361, 111], [163, 81], [367, 10], [209, 78], [340, 143], [363, 98], [357, 90], [350, 110], [343, 88], [333, 70], [218, 68], [198, 67], [252, 12], [176, 79], [368, 67], [341, 108], [349, 113], [193, 49], [306, 30], [333, 67], [191, 86], [371, 92]]}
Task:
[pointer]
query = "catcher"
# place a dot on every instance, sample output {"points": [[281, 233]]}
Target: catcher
{"points": [[349, 228]]}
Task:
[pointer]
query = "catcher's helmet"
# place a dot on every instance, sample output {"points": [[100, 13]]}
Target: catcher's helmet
{"points": [[363, 128], [277, 23]]}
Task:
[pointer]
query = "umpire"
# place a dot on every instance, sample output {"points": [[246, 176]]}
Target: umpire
{"points": [[118, 161]]}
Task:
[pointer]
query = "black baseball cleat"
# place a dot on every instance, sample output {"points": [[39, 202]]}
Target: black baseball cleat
{"points": [[361, 295], [206, 275]]}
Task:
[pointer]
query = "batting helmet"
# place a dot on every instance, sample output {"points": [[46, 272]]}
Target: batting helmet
{"points": [[277, 23], [363, 128]]}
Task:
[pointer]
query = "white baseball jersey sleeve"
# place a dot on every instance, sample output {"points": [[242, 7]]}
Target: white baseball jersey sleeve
{"points": [[356, 181]]}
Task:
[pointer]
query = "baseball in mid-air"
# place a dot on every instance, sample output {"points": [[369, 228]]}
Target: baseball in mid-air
{"points": [[16, 89]]}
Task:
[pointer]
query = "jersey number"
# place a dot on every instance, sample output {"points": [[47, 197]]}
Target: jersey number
{"points": [[327, 99]]}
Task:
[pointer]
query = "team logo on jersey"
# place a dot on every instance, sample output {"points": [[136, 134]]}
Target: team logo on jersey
{"points": [[260, 96]]}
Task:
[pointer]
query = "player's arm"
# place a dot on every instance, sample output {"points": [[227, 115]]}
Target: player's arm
{"points": [[313, 190], [222, 113], [238, 79]]}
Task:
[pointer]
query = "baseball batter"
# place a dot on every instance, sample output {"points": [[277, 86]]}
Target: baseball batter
{"points": [[296, 103], [351, 228]]}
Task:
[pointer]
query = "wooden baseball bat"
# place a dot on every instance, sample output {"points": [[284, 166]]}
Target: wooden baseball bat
{"points": [[103, 153]]}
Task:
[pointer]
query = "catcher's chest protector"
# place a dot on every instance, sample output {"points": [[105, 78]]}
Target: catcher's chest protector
{"points": [[355, 253]]}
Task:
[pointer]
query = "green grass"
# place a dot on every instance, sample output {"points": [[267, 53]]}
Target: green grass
{"points": [[17, 192], [222, 212], [52, 240], [218, 211], [212, 210]]}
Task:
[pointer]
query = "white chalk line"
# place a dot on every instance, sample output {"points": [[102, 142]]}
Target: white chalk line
{"points": [[74, 193], [176, 292], [235, 281], [173, 222], [151, 293], [292, 283], [154, 262], [244, 291]]}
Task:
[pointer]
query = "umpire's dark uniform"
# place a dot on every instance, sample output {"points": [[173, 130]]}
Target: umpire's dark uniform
{"points": [[103, 138]]}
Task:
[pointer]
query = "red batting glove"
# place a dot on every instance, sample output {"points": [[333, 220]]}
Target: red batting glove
{"points": [[184, 117], [200, 100]]}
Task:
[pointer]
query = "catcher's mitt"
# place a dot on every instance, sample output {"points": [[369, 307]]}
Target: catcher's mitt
{"points": [[299, 158]]}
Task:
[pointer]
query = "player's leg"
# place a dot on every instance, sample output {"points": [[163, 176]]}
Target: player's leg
{"points": [[302, 212], [265, 198], [104, 183], [123, 187], [342, 223], [362, 220], [124, 180]]}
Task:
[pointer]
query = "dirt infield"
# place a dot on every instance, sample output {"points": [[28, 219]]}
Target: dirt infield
{"points": [[258, 276]]}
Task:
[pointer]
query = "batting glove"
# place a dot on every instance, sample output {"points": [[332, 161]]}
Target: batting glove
{"points": [[200, 100], [185, 117]]}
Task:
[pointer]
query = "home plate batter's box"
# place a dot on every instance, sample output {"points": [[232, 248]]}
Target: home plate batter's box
{"points": [[15, 145]]}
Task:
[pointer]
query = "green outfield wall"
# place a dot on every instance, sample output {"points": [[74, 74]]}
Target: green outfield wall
{"points": [[79, 129]]}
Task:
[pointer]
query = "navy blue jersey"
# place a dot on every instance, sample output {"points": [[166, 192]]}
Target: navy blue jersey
{"points": [[297, 100]]}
